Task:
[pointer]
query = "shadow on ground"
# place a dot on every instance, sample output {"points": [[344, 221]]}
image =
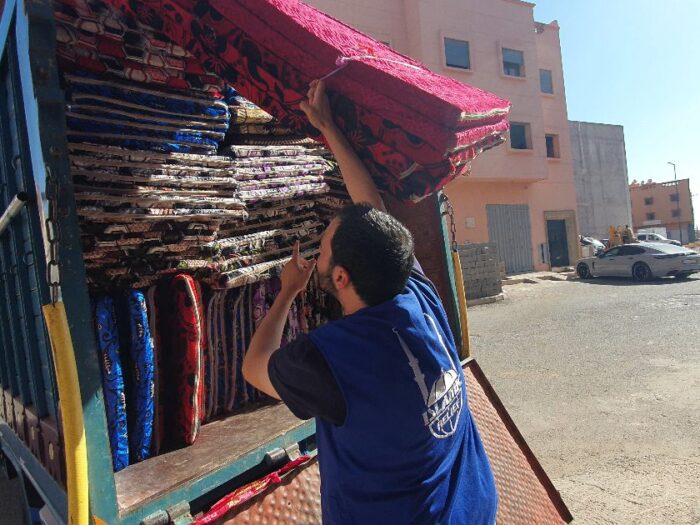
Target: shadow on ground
{"points": [[626, 281]]}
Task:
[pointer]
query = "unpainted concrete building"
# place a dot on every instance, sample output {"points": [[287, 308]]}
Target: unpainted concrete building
{"points": [[600, 172]]}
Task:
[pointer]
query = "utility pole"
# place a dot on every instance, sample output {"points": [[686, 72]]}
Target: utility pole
{"points": [[678, 201]]}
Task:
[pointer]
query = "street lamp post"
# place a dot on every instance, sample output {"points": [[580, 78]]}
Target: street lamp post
{"points": [[678, 201]]}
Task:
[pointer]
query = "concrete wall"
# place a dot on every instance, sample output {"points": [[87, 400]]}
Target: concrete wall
{"points": [[600, 172], [482, 269]]}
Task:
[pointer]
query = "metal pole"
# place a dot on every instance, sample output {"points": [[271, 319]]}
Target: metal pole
{"points": [[678, 201], [17, 203]]}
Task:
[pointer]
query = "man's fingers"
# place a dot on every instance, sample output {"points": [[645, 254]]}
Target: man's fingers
{"points": [[295, 253], [320, 88], [310, 267]]}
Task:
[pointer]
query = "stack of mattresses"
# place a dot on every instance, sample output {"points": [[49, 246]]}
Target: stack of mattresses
{"points": [[414, 129], [278, 173], [183, 238], [132, 86], [134, 116], [143, 212], [96, 38], [251, 125]]}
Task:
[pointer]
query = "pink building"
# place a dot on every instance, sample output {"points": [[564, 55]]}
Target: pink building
{"points": [[520, 195], [665, 204]]}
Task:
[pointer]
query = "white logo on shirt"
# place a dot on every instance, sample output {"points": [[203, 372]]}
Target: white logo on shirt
{"points": [[444, 401]]}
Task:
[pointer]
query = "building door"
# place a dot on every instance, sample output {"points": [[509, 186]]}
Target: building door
{"points": [[558, 243], [509, 229]]}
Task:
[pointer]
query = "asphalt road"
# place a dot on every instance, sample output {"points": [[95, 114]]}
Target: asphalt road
{"points": [[603, 379]]}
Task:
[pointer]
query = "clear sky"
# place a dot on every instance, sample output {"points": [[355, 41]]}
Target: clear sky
{"points": [[637, 64]]}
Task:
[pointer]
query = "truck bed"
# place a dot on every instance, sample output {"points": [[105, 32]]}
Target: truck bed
{"points": [[220, 443]]}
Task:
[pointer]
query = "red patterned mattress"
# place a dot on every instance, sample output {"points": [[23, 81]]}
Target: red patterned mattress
{"points": [[414, 129]]}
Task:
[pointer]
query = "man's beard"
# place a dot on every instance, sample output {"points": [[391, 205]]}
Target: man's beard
{"points": [[325, 281], [335, 308]]}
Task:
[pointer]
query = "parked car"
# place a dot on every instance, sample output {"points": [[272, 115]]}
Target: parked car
{"points": [[655, 237], [598, 246], [641, 261]]}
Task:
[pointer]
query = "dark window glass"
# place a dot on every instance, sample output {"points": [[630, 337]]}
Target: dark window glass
{"points": [[675, 213], [552, 146], [631, 250], [519, 136], [546, 85], [648, 201], [674, 197], [513, 62], [457, 53], [651, 216], [613, 252]]}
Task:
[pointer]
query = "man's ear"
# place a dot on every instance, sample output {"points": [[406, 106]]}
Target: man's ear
{"points": [[341, 278]]}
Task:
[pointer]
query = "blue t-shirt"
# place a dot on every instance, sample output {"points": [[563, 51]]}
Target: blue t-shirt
{"points": [[397, 443]]}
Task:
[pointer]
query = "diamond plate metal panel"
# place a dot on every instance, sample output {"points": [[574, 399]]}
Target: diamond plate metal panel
{"points": [[297, 501], [526, 495]]}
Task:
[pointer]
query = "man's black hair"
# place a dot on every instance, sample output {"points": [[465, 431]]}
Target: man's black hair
{"points": [[375, 249]]}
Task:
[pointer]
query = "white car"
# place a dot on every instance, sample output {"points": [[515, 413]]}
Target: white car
{"points": [[642, 262], [655, 237]]}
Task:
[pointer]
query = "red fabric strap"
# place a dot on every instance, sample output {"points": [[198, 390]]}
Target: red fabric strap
{"points": [[248, 492]]}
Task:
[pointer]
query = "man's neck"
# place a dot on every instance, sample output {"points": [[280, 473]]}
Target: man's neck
{"points": [[351, 304]]}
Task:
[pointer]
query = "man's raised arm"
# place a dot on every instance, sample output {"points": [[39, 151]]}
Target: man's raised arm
{"points": [[357, 179]]}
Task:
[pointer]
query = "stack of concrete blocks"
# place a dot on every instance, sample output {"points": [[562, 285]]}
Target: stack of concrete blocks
{"points": [[483, 270]]}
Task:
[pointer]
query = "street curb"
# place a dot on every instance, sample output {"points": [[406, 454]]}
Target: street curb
{"points": [[508, 282], [557, 278], [486, 300]]}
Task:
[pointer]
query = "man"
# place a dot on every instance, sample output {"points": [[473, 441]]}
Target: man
{"points": [[396, 441]]}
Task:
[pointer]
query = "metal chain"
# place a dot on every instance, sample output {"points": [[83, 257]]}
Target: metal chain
{"points": [[450, 212], [53, 236]]}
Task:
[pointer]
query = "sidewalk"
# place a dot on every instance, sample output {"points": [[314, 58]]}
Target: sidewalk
{"points": [[560, 274], [563, 274]]}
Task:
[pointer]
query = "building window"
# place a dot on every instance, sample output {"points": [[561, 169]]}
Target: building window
{"points": [[676, 213], [546, 85], [513, 62], [520, 137], [651, 216], [457, 53], [648, 201], [552, 143], [674, 197]]}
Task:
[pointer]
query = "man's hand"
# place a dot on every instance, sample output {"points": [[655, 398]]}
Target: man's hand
{"points": [[296, 273], [355, 175], [267, 338], [317, 107]]}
